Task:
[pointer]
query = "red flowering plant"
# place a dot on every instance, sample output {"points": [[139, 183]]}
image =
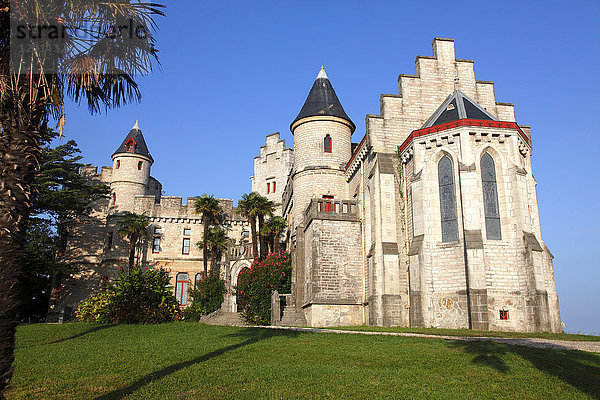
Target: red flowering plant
{"points": [[255, 285]]}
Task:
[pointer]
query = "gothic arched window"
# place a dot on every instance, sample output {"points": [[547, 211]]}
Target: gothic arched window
{"points": [[327, 144], [490, 198], [447, 200]]}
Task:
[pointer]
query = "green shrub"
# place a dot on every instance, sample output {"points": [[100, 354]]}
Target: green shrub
{"points": [[207, 297], [142, 296], [95, 308], [256, 284]]}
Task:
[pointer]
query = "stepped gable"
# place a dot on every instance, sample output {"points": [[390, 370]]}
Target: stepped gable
{"points": [[457, 106], [139, 147], [322, 101]]}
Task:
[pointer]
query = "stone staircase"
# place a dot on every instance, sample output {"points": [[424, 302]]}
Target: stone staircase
{"points": [[292, 317], [223, 318]]}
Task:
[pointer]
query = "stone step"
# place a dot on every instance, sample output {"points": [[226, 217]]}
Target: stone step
{"points": [[293, 317], [223, 318]]}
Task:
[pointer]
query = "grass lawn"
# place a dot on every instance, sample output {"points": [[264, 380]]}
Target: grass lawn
{"points": [[194, 361]]}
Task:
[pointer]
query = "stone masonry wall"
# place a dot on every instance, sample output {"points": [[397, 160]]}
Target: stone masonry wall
{"points": [[334, 270], [272, 167]]}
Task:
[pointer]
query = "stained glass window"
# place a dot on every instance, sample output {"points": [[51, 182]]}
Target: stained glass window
{"points": [[490, 198], [447, 200]]}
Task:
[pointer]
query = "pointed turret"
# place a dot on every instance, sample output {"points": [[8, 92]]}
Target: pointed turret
{"points": [[134, 143], [322, 147], [322, 101], [458, 106], [131, 171]]}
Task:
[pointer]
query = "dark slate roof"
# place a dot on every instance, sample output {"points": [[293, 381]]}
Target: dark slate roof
{"points": [[322, 100], [457, 106], [140, 143]]}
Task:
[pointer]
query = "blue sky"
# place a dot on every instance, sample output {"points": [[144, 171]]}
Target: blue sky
{"points": [[233, 72]]}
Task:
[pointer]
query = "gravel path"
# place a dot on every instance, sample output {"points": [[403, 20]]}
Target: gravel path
{"points": [[592, 347]]}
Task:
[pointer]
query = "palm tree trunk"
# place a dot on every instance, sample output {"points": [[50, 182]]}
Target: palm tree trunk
{"points": [[19, 150], [276, 246], [263, 246], [213, 262], [205, 222], [132, 243], [252, 221]]}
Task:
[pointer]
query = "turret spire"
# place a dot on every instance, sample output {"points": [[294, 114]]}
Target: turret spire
{"points": [[322, 73], [134, 143], [322, 101]]}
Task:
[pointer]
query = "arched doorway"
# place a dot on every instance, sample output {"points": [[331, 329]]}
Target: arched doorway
{"points": [[236, 268]]}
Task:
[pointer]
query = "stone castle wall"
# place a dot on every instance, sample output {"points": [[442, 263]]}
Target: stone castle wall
{"points": [[272, 167]]}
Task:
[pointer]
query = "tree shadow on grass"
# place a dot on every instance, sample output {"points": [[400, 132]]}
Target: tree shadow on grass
{"points": [[576, 368], [80, 334], [250, 336]]}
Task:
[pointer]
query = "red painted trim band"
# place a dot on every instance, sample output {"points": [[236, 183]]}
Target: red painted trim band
{"points": [[356, 152], [464, 122]]}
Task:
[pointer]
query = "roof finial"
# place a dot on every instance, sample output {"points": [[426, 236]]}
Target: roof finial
{"points": [[456, 79], [322, 73], [136, 126]]}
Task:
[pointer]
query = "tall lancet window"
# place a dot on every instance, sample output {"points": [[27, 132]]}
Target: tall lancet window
{"points": [[327, 144], [490, 198], [447, 200]]}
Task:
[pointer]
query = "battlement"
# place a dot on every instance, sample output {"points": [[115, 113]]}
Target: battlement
{"points": [[273, 145], [173, 207]]}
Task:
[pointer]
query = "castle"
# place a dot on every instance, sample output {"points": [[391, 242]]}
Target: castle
{"points": [[428, 220]]}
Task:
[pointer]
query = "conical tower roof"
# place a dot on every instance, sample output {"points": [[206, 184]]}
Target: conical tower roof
{"points": [[322, 101], [139, 144], [457, 106]]}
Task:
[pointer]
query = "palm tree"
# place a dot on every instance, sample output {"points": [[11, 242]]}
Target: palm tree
{"points": [[211, 212], [273, 228], [217, 241], [33, 87], [134, 228], [255, 207], [247, 207], [264, 208]]}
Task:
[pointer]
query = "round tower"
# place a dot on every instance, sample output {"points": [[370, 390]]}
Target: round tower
{"points": [[322, 147], [130, 172]]}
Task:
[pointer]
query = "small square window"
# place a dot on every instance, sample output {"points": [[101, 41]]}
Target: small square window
{"points": [[187, 231], [158, 230], [503, 314]]}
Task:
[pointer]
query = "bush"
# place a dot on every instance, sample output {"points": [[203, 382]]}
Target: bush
{"points": [[256, 284], [95, 308], [142, 296], [207, 297]]}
